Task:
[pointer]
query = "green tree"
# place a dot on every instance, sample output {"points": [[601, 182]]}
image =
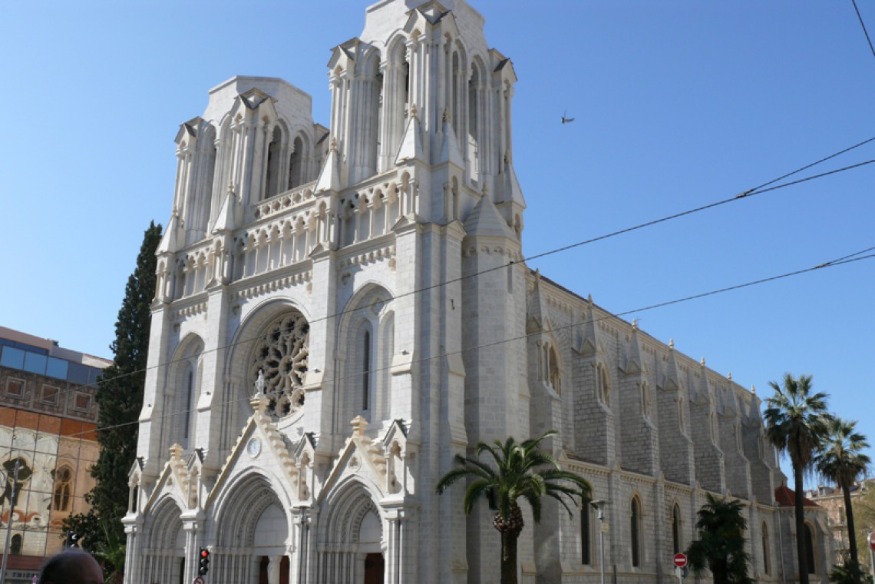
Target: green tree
{"points": [[864, 518], [841, 460], [120, 399], [516, 470], [796, 420], [849, 573], [720, 544]]}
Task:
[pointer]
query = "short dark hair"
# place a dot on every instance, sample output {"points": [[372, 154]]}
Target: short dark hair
{"points": [[56, 568]]}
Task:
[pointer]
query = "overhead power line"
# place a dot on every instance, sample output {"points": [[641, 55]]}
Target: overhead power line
{"points": [[863, 25], [763, 188], [847, 259]]}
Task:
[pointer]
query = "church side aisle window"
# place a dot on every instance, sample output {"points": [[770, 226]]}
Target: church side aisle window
{"points": [[676, 529], [586, 534], [635, 532], [767, 560]]}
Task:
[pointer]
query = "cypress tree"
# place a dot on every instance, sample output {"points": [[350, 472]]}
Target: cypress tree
{"points": [[120, 399]]}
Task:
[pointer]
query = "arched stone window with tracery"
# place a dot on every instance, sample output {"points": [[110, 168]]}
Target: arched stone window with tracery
{"points": [[279, 358], [676, 533], [550, 371], [62, 495]]}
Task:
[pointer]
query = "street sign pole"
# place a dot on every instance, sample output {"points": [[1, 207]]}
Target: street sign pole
{"points": [[680, 562]]}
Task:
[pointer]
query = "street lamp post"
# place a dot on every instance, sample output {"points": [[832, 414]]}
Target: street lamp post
{"points": [[599, 507]]}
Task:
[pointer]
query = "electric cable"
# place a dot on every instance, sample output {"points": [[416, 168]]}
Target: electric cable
{"points": [[766, 187], [847, 259], [863, 25]]}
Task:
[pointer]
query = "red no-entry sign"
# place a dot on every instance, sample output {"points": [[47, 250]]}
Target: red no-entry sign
{"points": [[872, 541], [680, 560]]}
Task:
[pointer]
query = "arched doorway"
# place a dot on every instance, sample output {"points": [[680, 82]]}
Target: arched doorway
{"points": [[252, 535], [351, 541]]}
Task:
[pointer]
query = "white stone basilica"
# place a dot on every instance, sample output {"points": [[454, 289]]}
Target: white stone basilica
{"points": [[342, 310]]}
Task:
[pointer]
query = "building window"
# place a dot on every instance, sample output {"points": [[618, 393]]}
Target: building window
{"points": [[366, 369], [604, 385], [635, 533], [809, 549], [586, 534], [281, 353], [550, 367], [676, 529], [15, 546], [767, 560], [645, 399], [63, 489], [14, 387], [189, 394], [49, 394], [82, 402]]}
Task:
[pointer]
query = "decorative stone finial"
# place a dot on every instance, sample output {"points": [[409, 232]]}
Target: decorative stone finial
{"points": [[729, 376], [332, 147], [358, 424], [413, 110], [671, 344], [634, 324], [446, 116], [703, 361], [176, 452], [753, 389]]}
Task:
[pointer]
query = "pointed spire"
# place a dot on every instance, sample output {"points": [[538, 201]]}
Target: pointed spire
{"points": [[634, 360], [450, 146], [537, 308], [485, 220], [226, 221], [171, 239], [512, 190], [411, 143], [329, 177]]}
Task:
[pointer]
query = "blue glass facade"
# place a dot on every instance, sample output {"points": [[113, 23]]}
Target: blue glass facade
{"points": [[35, 360]]}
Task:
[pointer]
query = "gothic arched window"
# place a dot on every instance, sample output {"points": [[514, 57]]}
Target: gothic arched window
{"points": [[767, 558], [297, 174], [809, 549], [15, 546], [63, 488], [676, 529], [586, 534], [604, 385], [273, 164], [635, 532], [365, 366]]}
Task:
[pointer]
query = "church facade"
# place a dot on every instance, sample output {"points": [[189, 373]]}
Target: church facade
{"points": [[341, 310]]}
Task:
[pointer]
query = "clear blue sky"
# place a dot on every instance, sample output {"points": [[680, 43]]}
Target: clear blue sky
{"points": [[677, 104]]}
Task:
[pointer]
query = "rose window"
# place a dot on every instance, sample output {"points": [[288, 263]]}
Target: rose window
{"points": [[280, 362]]}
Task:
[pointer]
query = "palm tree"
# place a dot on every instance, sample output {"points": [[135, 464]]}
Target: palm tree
{"points": [[720, 546], [841, 461], [796, 424], [517, 470]]}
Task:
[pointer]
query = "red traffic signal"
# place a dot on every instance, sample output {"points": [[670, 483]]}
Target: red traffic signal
{"points": [[203, 563]]}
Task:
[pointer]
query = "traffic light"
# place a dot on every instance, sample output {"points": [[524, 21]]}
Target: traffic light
{"points": [[72, 540], [203, 562]]}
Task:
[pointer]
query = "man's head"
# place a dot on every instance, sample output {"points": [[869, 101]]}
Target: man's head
{"points": [[71, 567]]}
